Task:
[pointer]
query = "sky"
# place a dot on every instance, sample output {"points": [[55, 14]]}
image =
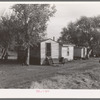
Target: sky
{"points": [[66, 12]]}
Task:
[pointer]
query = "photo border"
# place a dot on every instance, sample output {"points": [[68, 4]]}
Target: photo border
{"points": [[42, 98]]}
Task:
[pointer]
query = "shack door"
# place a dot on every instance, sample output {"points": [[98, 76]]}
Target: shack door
{"points": [[48, 49], [83, 52]]}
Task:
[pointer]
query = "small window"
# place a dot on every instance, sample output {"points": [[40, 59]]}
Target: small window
{"points": [[67, 51]]}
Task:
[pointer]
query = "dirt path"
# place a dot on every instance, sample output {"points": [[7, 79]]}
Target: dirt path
{"points": [[18, 76], [82, 75]]}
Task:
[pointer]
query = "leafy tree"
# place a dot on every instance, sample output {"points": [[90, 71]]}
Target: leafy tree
{"points": [[32, 20], [6, 34], [83, 32]]}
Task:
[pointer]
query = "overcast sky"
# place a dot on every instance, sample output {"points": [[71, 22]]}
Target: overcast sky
{"points": [[66, 12]]}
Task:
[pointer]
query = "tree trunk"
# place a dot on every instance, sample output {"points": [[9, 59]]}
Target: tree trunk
{"points": [[28, 56], [4, 53]]}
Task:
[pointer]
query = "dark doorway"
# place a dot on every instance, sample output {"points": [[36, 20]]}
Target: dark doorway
{"points": [[48, 49], [35, 55]]}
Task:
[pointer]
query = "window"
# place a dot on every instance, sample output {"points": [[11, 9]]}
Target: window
{"points": [[67, 51], [48, 49]]}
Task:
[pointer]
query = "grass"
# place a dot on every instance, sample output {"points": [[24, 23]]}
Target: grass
{"points": [[76, 74]]}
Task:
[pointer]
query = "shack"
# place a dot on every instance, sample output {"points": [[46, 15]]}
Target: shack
{"points": [[46, 48], [80, 52], [68, 51]]}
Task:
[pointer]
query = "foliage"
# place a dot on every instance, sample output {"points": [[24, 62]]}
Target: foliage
{"points": [[32, 20], [25, 26], [6, 31], [84, 32]]}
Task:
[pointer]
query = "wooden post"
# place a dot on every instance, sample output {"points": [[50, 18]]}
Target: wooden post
{"points": [[28, 56]]}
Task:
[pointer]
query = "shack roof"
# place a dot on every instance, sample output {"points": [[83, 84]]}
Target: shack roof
{"points": [[68, 45], [48, 39], [80, 47], [64, 44]]}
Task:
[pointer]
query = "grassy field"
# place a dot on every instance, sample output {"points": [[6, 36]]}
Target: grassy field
{"points": [[78, 74]]}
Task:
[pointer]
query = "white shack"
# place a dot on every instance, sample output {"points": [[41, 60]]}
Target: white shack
{"points": [[50, 48], [68, 51], [80, 52], [46, 48]]}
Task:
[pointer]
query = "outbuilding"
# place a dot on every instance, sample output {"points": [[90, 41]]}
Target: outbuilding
{"points": [[46, 48], [80, 52], [68, 51]]}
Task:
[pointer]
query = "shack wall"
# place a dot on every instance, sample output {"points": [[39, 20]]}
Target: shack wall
{"points": [[68, 52], [80, 52], [77, 52], [55, 50]]}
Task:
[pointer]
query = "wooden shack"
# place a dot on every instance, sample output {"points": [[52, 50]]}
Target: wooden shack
{"points": [[45, 48], [80, 52], [68, 51]]}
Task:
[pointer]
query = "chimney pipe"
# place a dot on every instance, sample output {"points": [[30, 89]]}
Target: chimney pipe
{"points": [[53, 38]]}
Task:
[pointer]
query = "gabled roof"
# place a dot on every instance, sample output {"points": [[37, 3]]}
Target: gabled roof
{"points": [[68, 45], [57, 42], [48, 39], [80, 47]]}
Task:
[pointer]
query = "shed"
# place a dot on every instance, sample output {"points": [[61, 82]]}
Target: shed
{"points": [[45, 48], [68, 51], [80, 52]]}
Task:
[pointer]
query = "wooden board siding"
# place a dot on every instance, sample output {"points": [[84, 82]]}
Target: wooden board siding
{"points": [[71, 53], [42, 52], [68, 52], [54, 50], [60, 51], [77, 52], [84, 52]]}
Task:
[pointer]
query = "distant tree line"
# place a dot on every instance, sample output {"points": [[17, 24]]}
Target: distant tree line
{"points": [[83, 32]]}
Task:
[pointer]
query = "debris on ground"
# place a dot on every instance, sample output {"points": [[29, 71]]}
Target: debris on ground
{"points": [[83, 80]]}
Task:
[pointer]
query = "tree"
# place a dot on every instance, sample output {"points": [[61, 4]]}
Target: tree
{"points": [[6, 34], [83, 32], [32, 19]]}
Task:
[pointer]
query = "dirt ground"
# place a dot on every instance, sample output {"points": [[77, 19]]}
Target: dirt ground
{"points": [[77, 74]]}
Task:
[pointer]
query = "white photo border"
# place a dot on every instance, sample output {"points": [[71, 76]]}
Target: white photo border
{"points": [[52, 93]]}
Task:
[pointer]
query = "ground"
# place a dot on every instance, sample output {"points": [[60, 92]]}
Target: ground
{"points": [[77, 74]]}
